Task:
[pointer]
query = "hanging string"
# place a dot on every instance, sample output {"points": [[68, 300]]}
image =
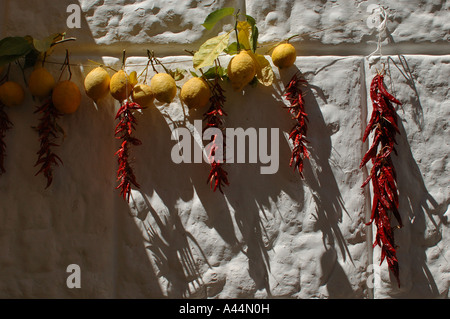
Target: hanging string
{"points": [[377, 19]]}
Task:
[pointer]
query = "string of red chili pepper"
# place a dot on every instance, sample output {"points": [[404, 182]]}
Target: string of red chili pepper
{"points": [[294, 95], [383, 123], [48, 130], [217, 177], [5, 125], [124, 130]]}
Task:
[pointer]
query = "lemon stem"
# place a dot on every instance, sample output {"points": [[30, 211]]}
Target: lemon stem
{"points": [[238, 46], [123, 59]]}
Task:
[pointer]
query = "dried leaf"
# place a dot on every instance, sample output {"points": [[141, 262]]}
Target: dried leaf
{"points": [[177, 74], [244, 34], [264, 71], [210, 50]]}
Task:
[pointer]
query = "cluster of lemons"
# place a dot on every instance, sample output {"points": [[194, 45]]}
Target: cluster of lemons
{"points": [[195, 93], [98, 84], [65, 95]]}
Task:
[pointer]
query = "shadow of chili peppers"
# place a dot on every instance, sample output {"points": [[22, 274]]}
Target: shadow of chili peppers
{"points": [[320, 178], [321, 182], [171, 248], [417, 205], [263, 202], [159, 213]]}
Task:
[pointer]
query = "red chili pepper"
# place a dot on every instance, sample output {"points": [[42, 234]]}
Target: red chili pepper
{"points": [[123, 131], [294, 95], [383, 123], [48, 130], [217, 177], [5, 125]]}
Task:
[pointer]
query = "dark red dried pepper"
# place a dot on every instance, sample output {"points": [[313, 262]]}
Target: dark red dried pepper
{"points": [[5, 125], [294, 95], [124, 131], [383, 123], [48, 130], [217, 177]]}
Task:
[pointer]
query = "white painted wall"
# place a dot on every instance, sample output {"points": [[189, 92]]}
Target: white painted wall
{"points": [[268, 235]]}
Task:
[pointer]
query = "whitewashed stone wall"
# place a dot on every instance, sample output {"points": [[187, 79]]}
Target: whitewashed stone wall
{"points": [[269, 235]]}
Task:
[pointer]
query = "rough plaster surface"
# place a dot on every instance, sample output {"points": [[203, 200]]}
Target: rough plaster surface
{"points": [[269, 235], [289, 17]]}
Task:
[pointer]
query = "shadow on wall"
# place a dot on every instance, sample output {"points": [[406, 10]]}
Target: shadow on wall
{"points": [[166, 195], [165, 186], [416, 206], [253, 195], [326, 194]]}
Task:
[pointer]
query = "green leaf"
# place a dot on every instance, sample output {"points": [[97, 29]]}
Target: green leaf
{"points": [[255, 33], [195, 75], [13, 48], [251, 20], [232, 49], [9, 59], [210, 50], [214, 71], [254, 38], [216, 16]]}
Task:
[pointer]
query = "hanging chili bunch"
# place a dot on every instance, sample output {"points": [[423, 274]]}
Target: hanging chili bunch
{"points": [[217, 177], [48, 130], [60, 99], [5, 125], [294, 95], [383, 123], [124, 131]]}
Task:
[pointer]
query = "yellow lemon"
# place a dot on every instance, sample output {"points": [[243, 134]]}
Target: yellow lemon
{"points": [[164, 87], [11, 94], [241, 70], [41, 83], [195, 93], [66, 97], [142, 94], [284, 55], [120, 86], [96, 83]]}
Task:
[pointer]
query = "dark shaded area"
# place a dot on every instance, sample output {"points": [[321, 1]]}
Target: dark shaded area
{"points": [[325, 191], [416, 206]]}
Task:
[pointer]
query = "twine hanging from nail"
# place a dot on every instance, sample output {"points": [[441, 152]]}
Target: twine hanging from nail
{"points": [[378, 20]]}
